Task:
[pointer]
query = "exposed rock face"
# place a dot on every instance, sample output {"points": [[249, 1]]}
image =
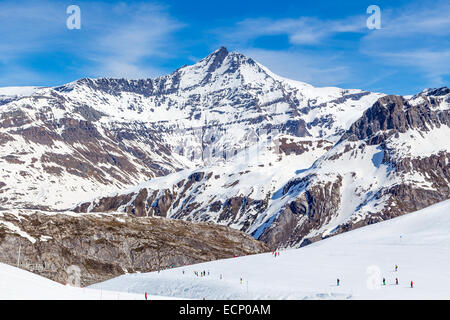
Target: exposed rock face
{"points": [[391, 114], [106, 246], [289, 146], [310, 210]]}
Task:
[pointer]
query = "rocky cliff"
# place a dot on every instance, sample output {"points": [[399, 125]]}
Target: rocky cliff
{"points": [[103, 246]]}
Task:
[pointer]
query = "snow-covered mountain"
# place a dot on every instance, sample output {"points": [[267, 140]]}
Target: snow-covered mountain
{"points": [[392, 161], [418, 243], [62, 145], [228, 141]]}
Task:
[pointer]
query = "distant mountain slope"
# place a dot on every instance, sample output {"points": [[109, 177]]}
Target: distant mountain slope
{"points": [[418, 243]]}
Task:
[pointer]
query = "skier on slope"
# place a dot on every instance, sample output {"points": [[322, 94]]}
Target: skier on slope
{"points": [[384, 281], [337, 282], [146, 295], [396, 281], [396, 267], [412, 284]]}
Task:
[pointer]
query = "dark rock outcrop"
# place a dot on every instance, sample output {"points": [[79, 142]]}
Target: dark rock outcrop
{"points": [[105, 246]]}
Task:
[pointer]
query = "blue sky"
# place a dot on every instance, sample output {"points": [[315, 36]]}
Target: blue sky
{"points": [[325, 43]]}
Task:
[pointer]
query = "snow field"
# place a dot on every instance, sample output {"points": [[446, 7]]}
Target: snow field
{"points": [[419, 243], [18, 284]]}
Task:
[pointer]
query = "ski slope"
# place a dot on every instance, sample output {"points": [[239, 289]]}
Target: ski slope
{"points": [[18, 284], [419, 243]]}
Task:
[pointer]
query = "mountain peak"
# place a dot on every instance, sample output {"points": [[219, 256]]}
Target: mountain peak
{"points": [[216, 58], [221, 51]]}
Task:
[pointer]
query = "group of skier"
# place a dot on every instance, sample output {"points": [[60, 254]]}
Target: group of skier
{"points": [[202, 273], [384, 280], [396, 279], [275, 254]]}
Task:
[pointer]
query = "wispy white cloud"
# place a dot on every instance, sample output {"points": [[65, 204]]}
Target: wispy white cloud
{"points": [[300, 31], [299, 61], [304, 66], [435, 64], [16, 74], [416, 37], [415, 20], [116, 39], [27, 27], [138, 32]]}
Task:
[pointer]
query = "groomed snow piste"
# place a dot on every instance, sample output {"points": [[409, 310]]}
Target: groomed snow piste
{"points": [[18, 284], [419, 243]]}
